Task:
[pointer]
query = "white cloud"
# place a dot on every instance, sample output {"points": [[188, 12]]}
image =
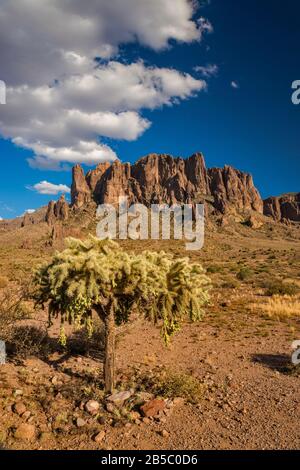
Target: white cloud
{"points": [[44, 187], [29, 211], [64, 122], [42, 40], [60, 102], [235, 85], [1, 219], [207, 71]]}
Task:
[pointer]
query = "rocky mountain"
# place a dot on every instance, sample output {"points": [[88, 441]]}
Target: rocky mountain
{"points": [[57, 210], [157, 179], [283, 208]]}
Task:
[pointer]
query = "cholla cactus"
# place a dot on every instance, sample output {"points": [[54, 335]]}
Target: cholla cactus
{"points": [[98, 275]]}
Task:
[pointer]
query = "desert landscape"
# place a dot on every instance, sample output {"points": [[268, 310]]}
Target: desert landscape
{"points": [[149, 231], [225, 382]]}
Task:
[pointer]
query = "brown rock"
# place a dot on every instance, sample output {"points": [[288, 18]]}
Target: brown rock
{"points": [[165, 179], [253, 222], [61, 209], [92, 407], [118, 398], [286, 207], [80, 423], [19, 408], [57, 211], [99, 437], [25, 432], [80, 192], [50, 215], [26, 415], [28, 219], [233, 189], [153, 407]]}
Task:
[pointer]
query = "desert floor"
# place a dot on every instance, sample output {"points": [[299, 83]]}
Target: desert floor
{"points": [[239, 358]]}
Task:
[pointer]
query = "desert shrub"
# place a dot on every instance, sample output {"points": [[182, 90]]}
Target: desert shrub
{"points": [[279, 287], [230, 284], [27, 341], [213, 269], [180, 385], [13, 307], [161, 382], [244, 274]]}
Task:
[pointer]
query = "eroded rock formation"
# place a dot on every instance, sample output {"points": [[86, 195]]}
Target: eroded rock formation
{"points": [[283, 208], [57, 210], [165, 179]]}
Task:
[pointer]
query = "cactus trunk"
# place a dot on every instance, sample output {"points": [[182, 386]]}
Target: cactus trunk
{"points": [[109, 362]]}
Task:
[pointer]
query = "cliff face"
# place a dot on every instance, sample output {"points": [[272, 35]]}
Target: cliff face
{"points": [[80, 191], [157, 179], [283, 208], [57, 210]]}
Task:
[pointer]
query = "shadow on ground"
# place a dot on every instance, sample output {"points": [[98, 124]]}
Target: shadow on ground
{"points": [[277, 362]]}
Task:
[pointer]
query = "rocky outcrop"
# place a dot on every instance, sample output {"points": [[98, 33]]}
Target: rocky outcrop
{"points": [[158, 179], [28, 219], [233, 188], [283, 208], [80, 191], [61, 209], [57, 211]]}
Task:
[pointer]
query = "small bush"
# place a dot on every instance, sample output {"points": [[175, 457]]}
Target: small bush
{"points": [[230, 284], [214, 269], [13, 307], [161, 382], [281, 288], [27, 341], [244, 274], [180, 385]]}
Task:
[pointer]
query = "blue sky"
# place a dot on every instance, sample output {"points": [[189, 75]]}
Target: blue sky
{"points": [[254, 126]]}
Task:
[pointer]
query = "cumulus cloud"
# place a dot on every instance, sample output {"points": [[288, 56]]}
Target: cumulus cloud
{"points": [[60, 100], [42, 40], [207, 71], [1, 219], [44, 187], [64, 122]]}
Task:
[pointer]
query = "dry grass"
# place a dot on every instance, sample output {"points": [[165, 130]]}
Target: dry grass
{"points": [[3, 282], [279, 307]]}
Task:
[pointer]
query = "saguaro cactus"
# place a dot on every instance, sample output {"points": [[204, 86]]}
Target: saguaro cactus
{"points": [[98, 275]]}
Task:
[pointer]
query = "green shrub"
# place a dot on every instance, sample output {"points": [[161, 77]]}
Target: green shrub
{"points": [[279, 287], [181, 385], [244, 274], [230, 284], [213, 269]]}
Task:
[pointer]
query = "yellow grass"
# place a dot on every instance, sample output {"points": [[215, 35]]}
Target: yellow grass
{"points": [[279, 307]]}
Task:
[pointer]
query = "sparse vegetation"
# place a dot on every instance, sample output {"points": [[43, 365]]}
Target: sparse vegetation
{"points": [[279, 307], [180, 385], [213, 269], [244, 274], [278, 287]]}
